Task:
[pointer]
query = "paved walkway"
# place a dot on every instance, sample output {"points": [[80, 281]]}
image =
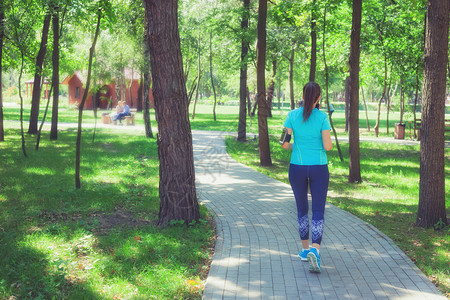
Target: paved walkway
{"points": [[257, 241]]}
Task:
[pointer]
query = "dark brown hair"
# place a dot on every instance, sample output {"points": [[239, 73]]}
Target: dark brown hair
{"points": [[311, 92]]}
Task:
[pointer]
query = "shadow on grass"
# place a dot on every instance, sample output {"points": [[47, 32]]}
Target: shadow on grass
{"points": [[44, 221]]}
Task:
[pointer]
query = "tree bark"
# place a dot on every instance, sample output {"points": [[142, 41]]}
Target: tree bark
{"points": [[263, 130], [55, 74], [242, 127], [83, 101], [432, 163], [354, 154], [177, 192], [312, 70], [36, 96], [147, 80], [2, 17]]}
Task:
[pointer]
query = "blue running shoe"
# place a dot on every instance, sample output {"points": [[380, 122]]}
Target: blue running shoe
{"points": [[314, 260], [303, 254]]}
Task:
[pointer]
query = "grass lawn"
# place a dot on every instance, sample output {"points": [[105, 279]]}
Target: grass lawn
{"points": [[387, 198], [100, 241]]}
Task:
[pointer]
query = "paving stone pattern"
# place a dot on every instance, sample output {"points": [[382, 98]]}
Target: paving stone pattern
{"points": [[258, 241]]}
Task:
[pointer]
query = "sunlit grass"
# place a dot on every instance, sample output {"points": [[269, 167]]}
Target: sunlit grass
{"points": [[100, 241], [387, 197]]}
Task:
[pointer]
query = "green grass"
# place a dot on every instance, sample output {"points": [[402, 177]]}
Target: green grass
{"points": [[387, 198], [100, 241]]}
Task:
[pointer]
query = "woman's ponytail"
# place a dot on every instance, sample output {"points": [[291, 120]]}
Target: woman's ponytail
{"points": [[311, 92]]}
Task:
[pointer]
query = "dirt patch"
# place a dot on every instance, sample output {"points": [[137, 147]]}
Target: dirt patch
{"points": [[102, 222]]}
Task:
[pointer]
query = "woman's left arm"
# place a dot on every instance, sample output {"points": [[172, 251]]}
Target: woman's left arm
{"points": [[326, 139], [287, 145]]}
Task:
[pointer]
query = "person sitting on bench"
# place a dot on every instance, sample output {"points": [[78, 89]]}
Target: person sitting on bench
{"points": [[124, 113]]}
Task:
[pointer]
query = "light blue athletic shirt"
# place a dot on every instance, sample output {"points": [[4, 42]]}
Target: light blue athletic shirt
{"points": [[308, 144]]}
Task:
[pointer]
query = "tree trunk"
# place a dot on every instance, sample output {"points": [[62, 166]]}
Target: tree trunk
{"points": [[365, 108], [354, 155], [36, 97], [312, 70], [402, 100], [271, 90], [139, 98], [83, 101], [416, 95], [177, 192], [263, 130], [326, 86], [432, 163], [347, 102], [291, 78], [24, 150], [55, 74], [212, 77], [388, 107], [198, 75], [147, 79], [242, 127], [377, 125], [2, 18]]}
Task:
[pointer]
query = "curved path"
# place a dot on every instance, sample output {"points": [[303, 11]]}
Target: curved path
{"points": [[257, 241]]}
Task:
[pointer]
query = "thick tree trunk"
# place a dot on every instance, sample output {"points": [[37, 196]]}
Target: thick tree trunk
{"points": [[291, 79], [242, 131], [312, 70], [264, 147], [2, 17], [354, 154], [55, 74], [36, 96], [83, 101], [147, 80], [177, 192], [432, 164]]}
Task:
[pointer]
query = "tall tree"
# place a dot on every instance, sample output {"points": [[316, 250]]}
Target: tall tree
{"points": [[263, 130], [432, 164], [242, 132], [177, 192], [36, 96], [354, 153], [83, 101], [55, 71], [2, 24]]}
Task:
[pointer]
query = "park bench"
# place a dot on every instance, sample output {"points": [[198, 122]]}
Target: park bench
{"points": [[130, 118], [418, 124]]}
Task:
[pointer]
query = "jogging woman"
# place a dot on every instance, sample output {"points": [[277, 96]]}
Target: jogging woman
{"points": [[311, 130]]}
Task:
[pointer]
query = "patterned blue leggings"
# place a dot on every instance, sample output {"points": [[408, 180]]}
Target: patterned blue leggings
{"points": [[318, 178]]}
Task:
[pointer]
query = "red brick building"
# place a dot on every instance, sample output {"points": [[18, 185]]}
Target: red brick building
{"points": [[107, 93]]}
